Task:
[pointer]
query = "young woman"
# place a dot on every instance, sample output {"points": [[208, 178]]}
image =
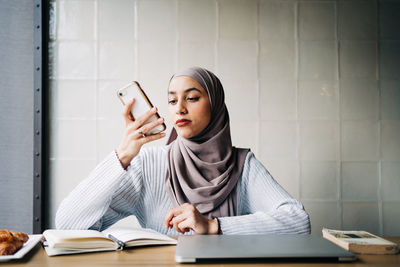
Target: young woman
{"points": [[199, 183]]}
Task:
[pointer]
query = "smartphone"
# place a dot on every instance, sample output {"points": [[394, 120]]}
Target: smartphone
{"points": [[142, 104]]}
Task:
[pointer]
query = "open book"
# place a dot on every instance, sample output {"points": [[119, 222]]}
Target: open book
{"points": [[79, 241], [360, 242]]}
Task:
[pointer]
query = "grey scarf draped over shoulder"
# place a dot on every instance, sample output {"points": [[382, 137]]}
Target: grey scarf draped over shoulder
{"points": [[205, 169]]}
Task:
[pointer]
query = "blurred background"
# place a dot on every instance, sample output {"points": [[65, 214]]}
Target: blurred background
{"points": [[312, 87]]}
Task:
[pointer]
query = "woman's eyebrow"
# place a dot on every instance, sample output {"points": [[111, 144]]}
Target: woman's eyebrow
{"points": [[186, 91]]}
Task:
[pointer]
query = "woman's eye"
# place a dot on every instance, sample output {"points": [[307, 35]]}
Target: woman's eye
{"points": [[172, 101], [193, 99]]}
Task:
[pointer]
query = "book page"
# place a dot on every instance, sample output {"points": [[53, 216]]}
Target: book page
{"points": [[77, 239], [126, 234]]}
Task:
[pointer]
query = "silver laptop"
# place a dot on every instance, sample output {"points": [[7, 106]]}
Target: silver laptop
{"points": [[217, 248]]}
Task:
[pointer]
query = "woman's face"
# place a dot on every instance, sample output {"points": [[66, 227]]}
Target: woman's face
{"points": [[189, 106]]}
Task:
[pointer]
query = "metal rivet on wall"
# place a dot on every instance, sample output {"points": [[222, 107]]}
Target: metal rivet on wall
{"points": [[37, 197], [37, 154], [37, 219]]}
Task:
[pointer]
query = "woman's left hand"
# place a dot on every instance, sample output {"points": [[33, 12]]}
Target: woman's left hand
{"points": [[186, 217]]}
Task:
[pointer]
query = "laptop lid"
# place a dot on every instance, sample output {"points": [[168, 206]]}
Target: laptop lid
{"points": [[206, 248]]}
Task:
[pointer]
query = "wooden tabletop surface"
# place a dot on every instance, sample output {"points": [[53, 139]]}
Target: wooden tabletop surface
{"points": [[164, 256]]}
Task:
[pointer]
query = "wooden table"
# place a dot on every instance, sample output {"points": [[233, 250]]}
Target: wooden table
{"points": [[164, 256]]}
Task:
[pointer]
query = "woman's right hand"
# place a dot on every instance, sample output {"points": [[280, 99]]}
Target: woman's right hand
{"points": [[135, 130]]}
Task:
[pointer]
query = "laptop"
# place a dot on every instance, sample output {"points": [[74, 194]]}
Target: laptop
{"points": [[243, 248]]}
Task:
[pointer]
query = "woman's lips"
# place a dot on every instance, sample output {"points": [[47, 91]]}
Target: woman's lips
{"points": [[182, 122]]}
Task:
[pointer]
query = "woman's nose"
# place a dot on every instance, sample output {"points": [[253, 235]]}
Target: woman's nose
{"points": [[180, 108]]}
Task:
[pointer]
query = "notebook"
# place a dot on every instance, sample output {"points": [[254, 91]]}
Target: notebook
{"points": [[212, 248]]}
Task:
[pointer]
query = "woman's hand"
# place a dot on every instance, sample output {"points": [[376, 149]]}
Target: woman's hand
{"points": [[186, 217], [134, 135]]}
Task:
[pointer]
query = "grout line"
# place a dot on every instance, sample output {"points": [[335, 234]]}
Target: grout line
{"points": [[96, 75], [136, 41], [177, 37], [297, 67], [378, 73], [258, 84], [339, 115], [216, 37]]}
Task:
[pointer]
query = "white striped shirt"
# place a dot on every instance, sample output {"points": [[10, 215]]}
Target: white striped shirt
{"points": [[111, 193]]}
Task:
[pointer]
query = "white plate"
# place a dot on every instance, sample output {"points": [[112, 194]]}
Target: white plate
{"points": [[32, 241]]}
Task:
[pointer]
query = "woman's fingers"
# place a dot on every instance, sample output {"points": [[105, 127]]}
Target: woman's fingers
{"points": [[149, 126], [140, 121], [126, 113], [170, 214]]}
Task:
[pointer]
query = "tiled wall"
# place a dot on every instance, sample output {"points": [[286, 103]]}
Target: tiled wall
{"points": [[313, 88]]}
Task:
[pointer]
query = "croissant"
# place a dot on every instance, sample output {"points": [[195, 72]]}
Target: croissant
{"points": [[11, 241]]}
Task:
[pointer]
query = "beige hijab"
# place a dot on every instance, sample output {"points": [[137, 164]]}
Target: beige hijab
{"points": [[204, 169]]}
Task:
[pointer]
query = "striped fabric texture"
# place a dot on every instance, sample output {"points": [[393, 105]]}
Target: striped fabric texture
{"points": [[111, 193]]}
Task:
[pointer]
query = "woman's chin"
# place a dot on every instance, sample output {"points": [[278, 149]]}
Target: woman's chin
{"points": [[185, 133]]}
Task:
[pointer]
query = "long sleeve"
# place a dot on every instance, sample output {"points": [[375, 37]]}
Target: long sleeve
{"points": [[264, 206], [88, 205]]}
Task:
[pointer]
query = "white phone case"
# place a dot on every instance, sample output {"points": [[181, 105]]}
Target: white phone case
{"points": [[142, 104]]}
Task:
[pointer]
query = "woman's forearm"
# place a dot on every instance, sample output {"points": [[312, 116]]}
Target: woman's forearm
{"points": [[88, 202], [290, 218]]}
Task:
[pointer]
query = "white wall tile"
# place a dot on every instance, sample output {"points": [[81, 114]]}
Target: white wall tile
{"points": [[200, 54], [361, 216], [76, 60], [389, 19], [319, 140], [278, 140], [109, 135], [389, 59], [317, 60], [390, 100], [359, 99], [157, 65], [237, 59], [241, 99], [116, 60], [75, 139], [197, 20], [244, 134], [319, 180], [64, 176], [390, 180], [323, 214], [358, 59], [359, 140], [108, 104], [76, 99], [237, 19], [277, 100], [390, 141], [316, 20], [391, 218], [156, 20], [318, 100], [278, 59], [357, 20], [116, 20], [360, 181], [286, 173], [76, 20], [276, 20]]}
